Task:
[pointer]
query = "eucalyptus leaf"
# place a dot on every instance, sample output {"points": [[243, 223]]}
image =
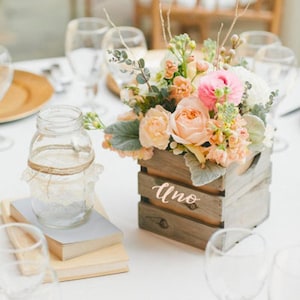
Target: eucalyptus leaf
{"points": [[141, 79], [125, 135], [141, 63], [199, 175]]}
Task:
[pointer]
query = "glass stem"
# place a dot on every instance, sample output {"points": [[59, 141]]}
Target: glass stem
{"points": [[91, 92]]}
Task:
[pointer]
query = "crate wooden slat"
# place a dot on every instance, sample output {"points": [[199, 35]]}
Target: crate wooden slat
{"points": [[171, 225], [240, 198]]}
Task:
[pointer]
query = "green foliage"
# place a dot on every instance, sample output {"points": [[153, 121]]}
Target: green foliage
{"points": [[256, 129], [209, 50], [125, 135], [91, 121], [199, 175], [227, 112]]}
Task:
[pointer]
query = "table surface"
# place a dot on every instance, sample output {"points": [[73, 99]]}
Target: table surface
{"points": [[158, 267]]}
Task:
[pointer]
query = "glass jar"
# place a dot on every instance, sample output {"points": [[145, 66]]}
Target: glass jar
{"points": [[61, 171]]}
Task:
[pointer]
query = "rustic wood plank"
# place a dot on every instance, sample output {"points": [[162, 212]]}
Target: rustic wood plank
{"points": [[237, 184], [168, 165], [173, 226], [208, 209], [238, 179], [240, 198], [251, 209]]}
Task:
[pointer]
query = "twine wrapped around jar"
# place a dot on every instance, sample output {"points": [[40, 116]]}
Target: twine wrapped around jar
{"points": [[61, 171]]}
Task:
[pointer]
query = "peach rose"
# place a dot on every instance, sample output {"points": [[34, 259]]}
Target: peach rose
{"points": [[220, 86], [180, 89], [189, 122], [154, 128], [170, 69]]}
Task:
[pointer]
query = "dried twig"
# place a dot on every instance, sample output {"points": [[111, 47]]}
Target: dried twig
{"points": [[162, 22], [236, 17]]}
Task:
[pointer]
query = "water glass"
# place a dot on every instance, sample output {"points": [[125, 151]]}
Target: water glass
{"points": [[83, 49], [235, 264], [285, 275], [25, 272], [277, 64], [123, 38], [252, 42]]}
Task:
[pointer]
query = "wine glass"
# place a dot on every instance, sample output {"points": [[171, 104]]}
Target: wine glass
{"points": [[252, 42], [285, 274], [123, 38], [24, 260], [277, 64], [235, 263], [83, 49], [28, 281], [6, 76]]}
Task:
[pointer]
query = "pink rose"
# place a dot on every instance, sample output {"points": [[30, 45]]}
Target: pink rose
{"points": [[220, 86], [154, 128], [189, 122]]}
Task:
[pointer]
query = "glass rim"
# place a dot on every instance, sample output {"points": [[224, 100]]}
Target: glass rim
{"points": [[36, 232], [89, 20], [119, 30], [259, 33], [233, 229], [290, 52]]}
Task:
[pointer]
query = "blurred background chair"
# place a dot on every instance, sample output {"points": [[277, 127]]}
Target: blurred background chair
{"points": [[202, 16]]}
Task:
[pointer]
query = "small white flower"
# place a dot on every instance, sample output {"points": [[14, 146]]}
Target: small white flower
{"points": [[259, 92]]}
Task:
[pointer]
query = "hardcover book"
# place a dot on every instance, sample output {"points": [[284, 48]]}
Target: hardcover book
{"points": [[105, 261], [98, 232]]}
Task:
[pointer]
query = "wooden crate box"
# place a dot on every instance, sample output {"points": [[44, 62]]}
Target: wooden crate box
{"points": [[173, 207]]}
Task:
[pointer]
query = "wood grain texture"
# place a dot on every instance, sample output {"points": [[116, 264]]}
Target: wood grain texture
{"points": [[240, 198], [173, 226]]}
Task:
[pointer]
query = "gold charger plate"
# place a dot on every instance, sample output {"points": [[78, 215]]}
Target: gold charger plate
{"points": [[26, 95]]}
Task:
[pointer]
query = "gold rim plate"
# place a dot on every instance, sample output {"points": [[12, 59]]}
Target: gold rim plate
{"points": [[26, 95]]}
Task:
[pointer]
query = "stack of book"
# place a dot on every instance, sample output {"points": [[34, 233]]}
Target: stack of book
{"points": [[92, 249]]}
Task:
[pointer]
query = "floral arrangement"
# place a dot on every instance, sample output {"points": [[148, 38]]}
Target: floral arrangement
{"points": [[210, 110]]}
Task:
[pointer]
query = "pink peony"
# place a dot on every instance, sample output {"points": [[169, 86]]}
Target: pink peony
{"points": [[189, 122], [220, 86]]}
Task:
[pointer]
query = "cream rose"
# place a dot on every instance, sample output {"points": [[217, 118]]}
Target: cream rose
{"points": [[189, 121], [154, 128]]}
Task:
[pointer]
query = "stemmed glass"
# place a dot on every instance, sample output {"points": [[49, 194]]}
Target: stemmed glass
{"points": [[83, 49], [278, 66], [123, 38], [235, 264], [24, 263], [6, 76], [252, 42], [285, 274]]}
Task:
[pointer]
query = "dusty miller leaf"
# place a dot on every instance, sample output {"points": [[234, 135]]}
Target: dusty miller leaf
{"points": [[125, 135], [256, 129], [201, 176]]}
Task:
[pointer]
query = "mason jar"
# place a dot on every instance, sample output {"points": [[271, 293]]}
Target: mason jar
{"points": [[61, 171]]}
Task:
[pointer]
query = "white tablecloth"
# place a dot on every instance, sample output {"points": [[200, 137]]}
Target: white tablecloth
{"points": [[159, 268]]}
